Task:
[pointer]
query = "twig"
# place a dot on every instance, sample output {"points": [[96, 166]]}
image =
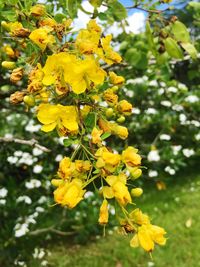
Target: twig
{"points": [[146, 10], [51, 229], [31, 142]]}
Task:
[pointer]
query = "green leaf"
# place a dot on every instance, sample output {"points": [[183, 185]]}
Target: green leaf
{"points": [[105, 135], [190, 49], [90, 121], [10, 15], [118, 10], [96, 171], [172, 48], [150, 39], [72, 8], [180, 32], [68, 142], [59, 17], [132, 56]]}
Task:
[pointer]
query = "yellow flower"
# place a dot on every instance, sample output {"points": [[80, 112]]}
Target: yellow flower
{"points": [[103, 215], [47, 22], [41, 37], [87, 41], [120, 131], [9, 51], [66, 168], [107, 53], [69, 194], [150, 234], [110, 97], [62, 117], [107, 160], [115, 79], [139, 218], [37, 10], [130, 157], [96, 135], [82, 166], [80, 74], [136, 192], [120, 190], [124, 107]]}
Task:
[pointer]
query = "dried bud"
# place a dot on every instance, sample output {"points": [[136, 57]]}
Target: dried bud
{"points": [[17, 97], [23, 32], [16, 75], [173, 19]]}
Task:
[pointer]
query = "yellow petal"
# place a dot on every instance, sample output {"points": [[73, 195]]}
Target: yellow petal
{"points": [[48, 127], [134, 242]]}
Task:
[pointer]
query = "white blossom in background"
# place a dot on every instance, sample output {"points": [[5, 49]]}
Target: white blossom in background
{"points": [[152, 173], [38, 253], [8, 135], [192, 99], [182, 87], [182, 118], [165, 137], [169, 170], [31, 127], [176, 149], [188, 152], [37, 169], [177, 107], [3, 192], [2, 201], [59, 157], [25, 199], [12, 159], [172, 89], [42, 200], [21, 229], [161, 91], [18, 153], [40, 209], [195, 123], [37, 152], [136, 111], [88, 194], [153, 83], [197, 136], [153, 155], [135, 81], [166, 103], [151, 111], [33, 183]]}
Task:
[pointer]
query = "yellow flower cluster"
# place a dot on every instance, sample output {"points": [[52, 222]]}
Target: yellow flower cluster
{"points": [[74, 94]]}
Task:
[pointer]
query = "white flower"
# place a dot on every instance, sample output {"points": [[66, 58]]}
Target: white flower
{"points": [[3, 192], [152, 173], [182, 86], [25, 199], [177, 107], [135, 81], [150, 264], [197, 136], [151, 111], [153, 83], [42, 200], [12, 159], [195, 123], [153, 155], [88, 194], [44, 263], [30, 127], [166, 103], [129, 93], [188, 152], [165, 137], [182, 118], [136, 111], [192, 99], [172, 89], [59, 157], [40, 209], [21, 229], [170, 170], [37, 151], [38, 253], [176, 149], [37, 169], [33, 183], [8, 135], [2, 201], [18, 153], [161, 91]]}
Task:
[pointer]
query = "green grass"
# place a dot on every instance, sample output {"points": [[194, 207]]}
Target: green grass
{"points": [[170, 209]]}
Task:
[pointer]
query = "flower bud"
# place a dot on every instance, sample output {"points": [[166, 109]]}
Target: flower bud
{"points": [[16, 75], [17, 97], [121, 119], [103, 215], [5, 25], [136, 173], [8, 65], [29, 100], [56, 182], [109, 112], [136, 192]]}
